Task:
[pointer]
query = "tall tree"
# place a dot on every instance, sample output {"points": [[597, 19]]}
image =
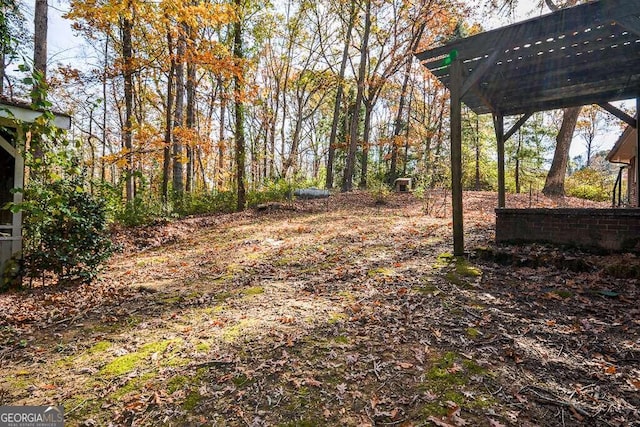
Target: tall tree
{"points": [[238, 82], [335, 121], [41, 23], [8, 39], [178, 118], [349, 170], [554, 184], [126, 28], [166, 151], [591, 122]]}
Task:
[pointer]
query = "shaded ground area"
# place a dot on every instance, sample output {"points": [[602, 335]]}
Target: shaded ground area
{"points": [[338, 312]]}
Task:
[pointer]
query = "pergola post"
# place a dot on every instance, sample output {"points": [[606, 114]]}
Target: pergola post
{"points": [[456, 155], [498, 124]]}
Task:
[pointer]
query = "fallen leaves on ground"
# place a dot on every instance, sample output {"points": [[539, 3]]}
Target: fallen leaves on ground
{"points": [[333, 312]]}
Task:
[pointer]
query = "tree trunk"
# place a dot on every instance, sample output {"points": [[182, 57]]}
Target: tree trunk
{"points": [[554, 184], [40, 46], [477, 141], [178, 120], [364, 163], [518, 163], [166, 151], [238, 81], [2, 73], [104, 110], [397, 126], [221, 143], [337, 106], [191, 112], [127, 56], [347, 182]]}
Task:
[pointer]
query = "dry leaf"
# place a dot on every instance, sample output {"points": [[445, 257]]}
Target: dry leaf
{"points": [[439, 422], [312, 382]]}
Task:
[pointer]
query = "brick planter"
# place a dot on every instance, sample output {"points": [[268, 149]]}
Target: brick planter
{"points": [[600, 229]]}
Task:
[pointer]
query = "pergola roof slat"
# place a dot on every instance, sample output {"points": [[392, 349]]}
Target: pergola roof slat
{"points": [[546, 61]]}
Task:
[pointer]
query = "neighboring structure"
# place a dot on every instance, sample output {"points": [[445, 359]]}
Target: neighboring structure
{"points": [[403, 185], [12, 172], [625, 152]]}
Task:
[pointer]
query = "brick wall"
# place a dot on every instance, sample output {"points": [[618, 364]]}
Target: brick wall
{"points": [[608, 229]]}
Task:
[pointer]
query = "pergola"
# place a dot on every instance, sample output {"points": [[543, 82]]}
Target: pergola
{"points": [[587, 54]]}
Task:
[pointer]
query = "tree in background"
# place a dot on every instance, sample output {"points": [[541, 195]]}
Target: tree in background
{"points": [[526, 150], [12, 36], [238, 86], [592, 121], [178, 88], [40, 25]]}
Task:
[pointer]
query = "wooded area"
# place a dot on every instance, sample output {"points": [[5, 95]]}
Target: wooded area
{"points": [[184, 107]]}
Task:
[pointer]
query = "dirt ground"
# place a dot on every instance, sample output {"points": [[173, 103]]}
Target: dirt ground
{"points": [[333, 312]]}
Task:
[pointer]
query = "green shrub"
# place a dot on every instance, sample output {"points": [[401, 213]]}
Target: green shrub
{"points": [[272, 191], [590, 184], [65, 229], [380, 192]]}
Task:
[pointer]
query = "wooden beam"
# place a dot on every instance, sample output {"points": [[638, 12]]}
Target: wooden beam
{"points": [[8, 147], [619, 114], [456, 156], [481, 70], [498, 124], [563, 22], [630, 23], [21, 114], [522, 120]]}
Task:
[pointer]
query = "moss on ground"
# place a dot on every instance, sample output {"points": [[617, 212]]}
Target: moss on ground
{"points": [[99, 347], [128, 362], [253, 290], [232, 333], [473, 333], [458, 270], [449, 380], [337, 317], [562, 293], [381, 271], [192, 400], [133, 385]]}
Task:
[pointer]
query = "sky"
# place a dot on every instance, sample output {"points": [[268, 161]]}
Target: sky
{"points": [[65, 47]]}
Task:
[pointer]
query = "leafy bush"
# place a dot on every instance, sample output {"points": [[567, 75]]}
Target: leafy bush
{"points": [[273, 191], [380, 192], [590, 184], [205, 202], [65, 229]]}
